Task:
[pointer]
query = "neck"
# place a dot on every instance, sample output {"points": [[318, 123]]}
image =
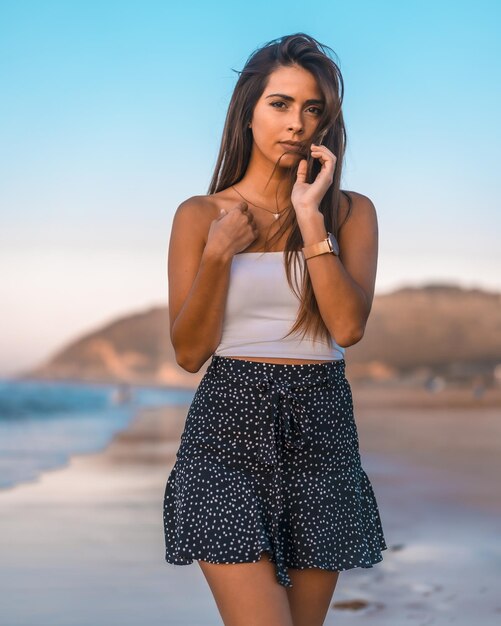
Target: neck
{"points": [[260, 185]]}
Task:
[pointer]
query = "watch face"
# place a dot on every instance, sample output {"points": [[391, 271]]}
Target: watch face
{"points": [[334, 243]]}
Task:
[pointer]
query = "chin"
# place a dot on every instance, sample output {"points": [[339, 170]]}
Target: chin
{"points": [[292, 156]]}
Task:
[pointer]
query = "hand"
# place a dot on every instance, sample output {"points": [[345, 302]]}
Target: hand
{"points": [[232, 231], [307, 196]]}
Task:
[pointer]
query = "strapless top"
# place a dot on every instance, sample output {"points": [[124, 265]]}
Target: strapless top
{"points": [[261, 309]]}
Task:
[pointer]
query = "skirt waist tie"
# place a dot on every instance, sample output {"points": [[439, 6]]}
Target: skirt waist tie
{"points": [[280, 406]]}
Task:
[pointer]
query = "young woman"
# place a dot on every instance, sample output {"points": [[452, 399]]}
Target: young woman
{"points": [[272, 275]]}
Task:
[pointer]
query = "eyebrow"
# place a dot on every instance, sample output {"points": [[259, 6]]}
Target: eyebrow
{"points": [[291, 99]]}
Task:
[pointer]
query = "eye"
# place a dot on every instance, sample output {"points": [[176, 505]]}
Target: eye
{"points": [[317, 109]]}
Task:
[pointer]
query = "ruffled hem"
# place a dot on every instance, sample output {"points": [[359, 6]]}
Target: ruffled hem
{"points": [[282, 577], [204, 556], [195, 525]]}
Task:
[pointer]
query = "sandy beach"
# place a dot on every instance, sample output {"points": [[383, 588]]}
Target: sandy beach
{"points": [[84, 544]]}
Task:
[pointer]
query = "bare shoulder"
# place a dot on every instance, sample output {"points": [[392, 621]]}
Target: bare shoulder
{"points": [[196, 208], [194, 215], [199, 211], [359, 202], [358, 209]]}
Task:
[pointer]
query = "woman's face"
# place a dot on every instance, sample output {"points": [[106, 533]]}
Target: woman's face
{"points": [[293, 115]]}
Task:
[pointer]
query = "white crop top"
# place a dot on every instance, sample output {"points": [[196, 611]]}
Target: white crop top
{"points": [[261, 308]]}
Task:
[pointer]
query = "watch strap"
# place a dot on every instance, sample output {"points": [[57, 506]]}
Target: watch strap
{"points": [[322, 247]]}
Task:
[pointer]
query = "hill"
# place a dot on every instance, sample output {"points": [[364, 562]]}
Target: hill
{"points": [[413, 333]]}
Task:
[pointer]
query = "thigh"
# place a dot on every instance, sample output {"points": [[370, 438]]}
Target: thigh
{"points": [[248, 594], [310, 595]]}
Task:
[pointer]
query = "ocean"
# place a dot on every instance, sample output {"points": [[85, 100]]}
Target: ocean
{"points": [[43, 423]]}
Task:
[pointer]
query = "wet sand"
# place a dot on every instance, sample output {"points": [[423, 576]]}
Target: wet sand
{"points": [[84, 544]]}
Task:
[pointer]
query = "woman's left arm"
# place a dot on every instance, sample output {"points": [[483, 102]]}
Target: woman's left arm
{"points": [[344, 285]]}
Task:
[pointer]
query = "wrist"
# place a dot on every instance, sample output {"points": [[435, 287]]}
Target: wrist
{"points": [[307, 211], [216, 254], [312, 228]]}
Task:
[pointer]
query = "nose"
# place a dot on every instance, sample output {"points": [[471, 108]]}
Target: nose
{"points": [[296, 123]]}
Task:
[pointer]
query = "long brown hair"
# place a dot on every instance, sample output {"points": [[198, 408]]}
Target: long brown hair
{"points": [[236, 144]]}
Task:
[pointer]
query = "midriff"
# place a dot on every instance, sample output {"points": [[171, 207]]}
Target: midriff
{"points": [[277, 360]]}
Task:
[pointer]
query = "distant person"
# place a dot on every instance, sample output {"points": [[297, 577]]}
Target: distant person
{"points": [[122, 394], [272, 275]]}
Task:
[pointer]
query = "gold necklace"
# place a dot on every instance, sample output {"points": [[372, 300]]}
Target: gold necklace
{"points": [[277, 214]]}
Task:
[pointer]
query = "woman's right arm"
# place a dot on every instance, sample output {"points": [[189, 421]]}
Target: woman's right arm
{"points": [[198, 275]]}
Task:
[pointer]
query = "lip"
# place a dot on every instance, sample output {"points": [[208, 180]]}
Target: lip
{"points": [[296, 147]]}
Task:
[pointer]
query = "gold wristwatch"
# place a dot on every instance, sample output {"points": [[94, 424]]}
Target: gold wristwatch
{"points": [[329, 244]]}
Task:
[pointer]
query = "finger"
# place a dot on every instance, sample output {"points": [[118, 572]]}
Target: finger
{"points": [[322, 150], [301, 171], [325, 152], [327, 161], [327, 169]]}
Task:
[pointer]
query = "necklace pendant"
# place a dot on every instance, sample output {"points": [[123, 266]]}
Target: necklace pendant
{"points": [[277, 215]]}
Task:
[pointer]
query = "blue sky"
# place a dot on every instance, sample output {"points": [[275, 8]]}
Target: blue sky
{"points": [[112, 112]]}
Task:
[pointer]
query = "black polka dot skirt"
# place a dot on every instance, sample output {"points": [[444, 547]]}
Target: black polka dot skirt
{"points": [[269, 460]]}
